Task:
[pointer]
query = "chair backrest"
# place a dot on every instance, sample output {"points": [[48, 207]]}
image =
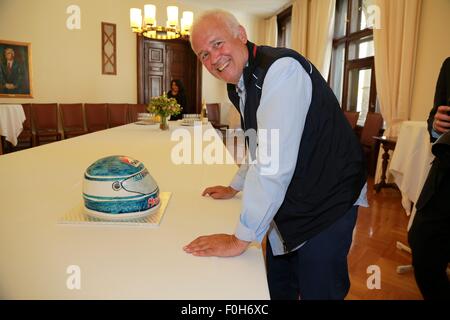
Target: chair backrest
{"points": [[27, 110], [45, 116], [96, 116], [117, 114], [352, 117], [372, 127], [72, 116], [134, 109], [213, 110]]}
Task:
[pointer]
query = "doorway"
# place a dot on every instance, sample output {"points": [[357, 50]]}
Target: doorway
{"points": [[160, 61]]}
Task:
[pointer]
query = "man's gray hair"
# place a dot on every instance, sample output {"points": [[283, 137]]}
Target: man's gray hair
{"points": [[226, 17]]}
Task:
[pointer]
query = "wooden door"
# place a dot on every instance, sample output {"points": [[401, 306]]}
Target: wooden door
{"points": [[161, 61], [176, 60], [154, 55]]}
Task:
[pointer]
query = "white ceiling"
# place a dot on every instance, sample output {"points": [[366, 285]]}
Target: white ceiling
{"points": [[262, 8]]}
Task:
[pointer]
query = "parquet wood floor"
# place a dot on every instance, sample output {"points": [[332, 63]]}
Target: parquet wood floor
{"points": [[377, 230]]}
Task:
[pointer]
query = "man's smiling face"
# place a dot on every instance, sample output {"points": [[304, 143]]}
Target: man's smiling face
{"points": [[223, 53]]}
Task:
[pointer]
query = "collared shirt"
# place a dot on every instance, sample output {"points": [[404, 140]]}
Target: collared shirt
{"points": [[434, 134], [285, 100]]}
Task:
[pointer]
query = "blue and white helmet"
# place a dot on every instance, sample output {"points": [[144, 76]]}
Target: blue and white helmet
{"points": [[119, 187]]}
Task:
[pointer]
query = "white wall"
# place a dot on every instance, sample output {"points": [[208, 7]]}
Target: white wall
{"points": [[66, 64], [433, 49]]}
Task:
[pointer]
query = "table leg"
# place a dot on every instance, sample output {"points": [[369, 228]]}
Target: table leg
{"points": [[382, 183]]}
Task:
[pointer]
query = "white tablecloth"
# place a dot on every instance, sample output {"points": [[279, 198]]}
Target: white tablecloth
{"points": [[411, 161], [11, 120], [40, 185]]}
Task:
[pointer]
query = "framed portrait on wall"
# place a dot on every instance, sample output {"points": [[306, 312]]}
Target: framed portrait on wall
{"points": [[15, 69]]}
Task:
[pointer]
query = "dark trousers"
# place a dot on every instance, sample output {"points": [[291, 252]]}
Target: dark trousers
{"points": [[429, 239], [316, 271]]}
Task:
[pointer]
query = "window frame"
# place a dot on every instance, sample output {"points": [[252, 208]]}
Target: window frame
{"points": [[358, 63], [283, 19]]}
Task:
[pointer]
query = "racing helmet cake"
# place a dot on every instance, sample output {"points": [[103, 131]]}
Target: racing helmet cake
{"points": [[119, 187]]}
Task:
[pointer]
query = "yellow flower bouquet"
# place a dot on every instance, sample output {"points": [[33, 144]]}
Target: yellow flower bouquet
{"points": [[164, 107]]}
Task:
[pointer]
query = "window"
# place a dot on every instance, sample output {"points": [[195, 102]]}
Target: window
{"points": [[352, 75], [284, 28]]}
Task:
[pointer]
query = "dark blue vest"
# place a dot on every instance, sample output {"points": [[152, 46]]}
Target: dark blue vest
{"points": [[330, 170]]}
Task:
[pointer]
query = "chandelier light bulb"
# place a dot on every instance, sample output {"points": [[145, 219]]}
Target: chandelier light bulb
{"points": [[146, 25], [150, 14], [136, 18], [172, 16]]}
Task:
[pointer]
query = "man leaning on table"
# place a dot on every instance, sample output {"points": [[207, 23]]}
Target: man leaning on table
{"points": [[308, 208], [429, 235]]}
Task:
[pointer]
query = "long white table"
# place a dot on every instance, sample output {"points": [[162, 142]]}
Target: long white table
{"points": [[41, 184], [411, 162]]}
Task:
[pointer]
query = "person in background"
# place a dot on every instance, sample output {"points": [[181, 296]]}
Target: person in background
{"points": [[439, 118], [177, 91], [308, 205], [429, 235]]}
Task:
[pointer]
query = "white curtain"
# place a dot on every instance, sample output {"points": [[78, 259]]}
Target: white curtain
{"points": [[271, 31], [312, 31], [395, 60]]}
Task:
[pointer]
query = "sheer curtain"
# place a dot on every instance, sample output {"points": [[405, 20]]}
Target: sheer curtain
{"points": [[271, 31], [395, 59], [312, 31]]}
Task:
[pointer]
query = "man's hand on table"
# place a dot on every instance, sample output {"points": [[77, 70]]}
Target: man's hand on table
{"points": [[220, 192], [219, 245]]}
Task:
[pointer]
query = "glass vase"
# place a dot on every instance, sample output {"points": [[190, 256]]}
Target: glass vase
{"points": [[163, 125]]}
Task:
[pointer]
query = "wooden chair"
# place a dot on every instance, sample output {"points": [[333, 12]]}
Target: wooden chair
{"points": [[352, 117], [96, 116], [117, 114], [134, 109], [26, 136], [213, 110], [45, 119], [372, 127], [72, 119]]}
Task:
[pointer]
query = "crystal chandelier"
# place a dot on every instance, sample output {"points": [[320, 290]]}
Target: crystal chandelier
{"points": [[149, 28]]}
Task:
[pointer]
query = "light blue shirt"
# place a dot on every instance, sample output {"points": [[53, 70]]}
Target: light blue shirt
{"points": [[287, 89], [434, 134]]}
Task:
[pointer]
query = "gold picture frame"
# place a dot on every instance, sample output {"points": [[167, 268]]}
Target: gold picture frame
{"points": [[15, 69]]}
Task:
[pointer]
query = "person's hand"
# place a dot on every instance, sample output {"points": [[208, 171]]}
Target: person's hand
{"points": [[441, 123], [220, 192], [219, 245], [10, 86]]}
